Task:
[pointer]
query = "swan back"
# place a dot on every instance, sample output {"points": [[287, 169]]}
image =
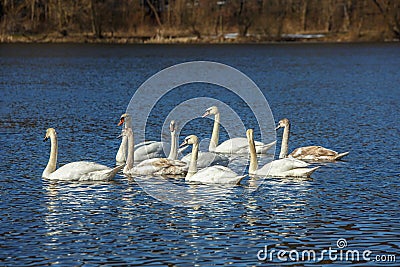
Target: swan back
{"points": [[316, 153], [216, 175], [149, 151], [84, 171], [159, 166], [206, 159], [239, 145], [282, 165], [286, 167]]}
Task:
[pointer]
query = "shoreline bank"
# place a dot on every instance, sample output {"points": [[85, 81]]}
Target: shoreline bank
{"points": [[229, 38]]}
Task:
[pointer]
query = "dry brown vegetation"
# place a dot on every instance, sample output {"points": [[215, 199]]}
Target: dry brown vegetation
{"points": [[198, 20]]}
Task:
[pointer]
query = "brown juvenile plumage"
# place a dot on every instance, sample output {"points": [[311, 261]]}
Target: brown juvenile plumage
{"points": [[313, 153]]}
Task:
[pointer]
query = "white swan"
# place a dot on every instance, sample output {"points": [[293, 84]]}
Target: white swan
{"points": [[237, 145], [74, 171], [154, 166], [213, 174], [143, 151], [313, 153], [286, 167]]}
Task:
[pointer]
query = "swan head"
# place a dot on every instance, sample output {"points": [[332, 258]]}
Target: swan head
{"points": [[124, 118], [250, 134], [211, 111], [282, 123], [49, 133], [172, 126], [190, 140]]}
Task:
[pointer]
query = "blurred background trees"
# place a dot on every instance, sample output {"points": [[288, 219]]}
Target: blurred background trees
{"points": [[348, 20]]}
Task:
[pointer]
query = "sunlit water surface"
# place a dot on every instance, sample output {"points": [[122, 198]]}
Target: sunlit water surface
{"points": [[345, 97]]}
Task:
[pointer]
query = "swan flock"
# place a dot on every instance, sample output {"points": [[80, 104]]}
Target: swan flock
{"points": [[211, 167]]}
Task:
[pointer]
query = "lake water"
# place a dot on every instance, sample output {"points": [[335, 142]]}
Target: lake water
{"points": [[345, 97]]}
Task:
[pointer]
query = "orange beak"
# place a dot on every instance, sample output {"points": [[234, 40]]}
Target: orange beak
{"points": [[121, 121], [183, 144], [206, 114]]}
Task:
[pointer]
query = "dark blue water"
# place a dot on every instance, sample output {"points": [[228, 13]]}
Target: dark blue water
{"points": [[345, 97]]}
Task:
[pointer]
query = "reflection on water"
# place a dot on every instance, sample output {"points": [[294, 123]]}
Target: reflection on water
{"points": [[343, 97], [181, 194]]}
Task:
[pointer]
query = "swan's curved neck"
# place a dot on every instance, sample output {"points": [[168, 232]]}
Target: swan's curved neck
{"points": [[193, 160], [285, 142], [130, 159], [215, 134], [253, 157], [52, 164], [122, 150], [128, 122], [173, 153]]}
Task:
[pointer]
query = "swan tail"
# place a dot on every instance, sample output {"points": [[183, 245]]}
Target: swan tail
{"points": [[114, 171], [341, 155], [240, 178], [264, 148], [308, 173], [298, 172]]}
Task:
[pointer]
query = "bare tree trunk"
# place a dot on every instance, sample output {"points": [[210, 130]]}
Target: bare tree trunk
{"points": [[346, 16], [59, 15], [154, 10], [360, 23], [32, 10], [390, 15], [281, 19], [194, 20], [93, 15], [304, 15], [160, 32], [169, 14]]}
